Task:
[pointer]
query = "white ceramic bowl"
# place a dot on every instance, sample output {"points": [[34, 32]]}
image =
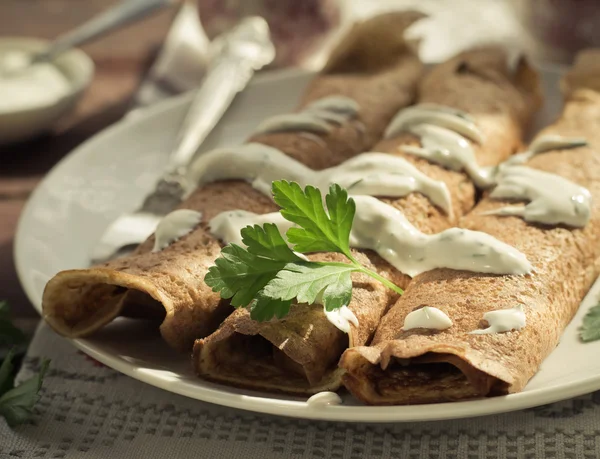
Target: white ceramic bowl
{"points": [[77, 67]]}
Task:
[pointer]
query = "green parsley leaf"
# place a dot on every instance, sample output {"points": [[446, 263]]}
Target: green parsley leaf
{"points": [[318, 231], [9, 334], [590, 328], [268, 276], [267, 242], [265, 308], [6, 372], [328, 283], [241, 273], [16, 405]]}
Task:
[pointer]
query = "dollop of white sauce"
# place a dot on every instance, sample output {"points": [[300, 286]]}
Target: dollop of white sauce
{"points": [[227, 226], [374, 174], [384, 229], [443, 132], [544, 143], [503, 320], [342, 318], [552, 199], [427, 317], [36, 86], [316, 117], [174, 226], [324, 398]]}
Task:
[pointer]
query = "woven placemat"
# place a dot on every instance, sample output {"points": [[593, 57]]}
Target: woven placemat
{"points": [[87, 410]]}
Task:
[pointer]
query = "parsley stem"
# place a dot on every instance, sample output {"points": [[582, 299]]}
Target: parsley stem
{"points": [[374, 275], [383, 280]]}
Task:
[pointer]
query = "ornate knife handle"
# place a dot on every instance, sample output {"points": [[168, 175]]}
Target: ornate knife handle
{"points": [[239, 54]]}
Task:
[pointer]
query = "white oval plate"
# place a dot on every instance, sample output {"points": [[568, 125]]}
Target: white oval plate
{"points": [[112, 172]]}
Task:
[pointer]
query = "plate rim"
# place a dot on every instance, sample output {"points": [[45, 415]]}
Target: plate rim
{"points": [[358, 413], [274, 406]]}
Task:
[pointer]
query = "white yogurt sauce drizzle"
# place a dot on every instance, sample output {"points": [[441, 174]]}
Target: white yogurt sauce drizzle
{"points": [[552, 199], [341, 318], [439, 115], [254, 162], [384, 229], [227, 226], [174, 226], [325, 398], [443, 132], [375, 174], [427, 317], [504, 320], [543, 144], [317, 117]]}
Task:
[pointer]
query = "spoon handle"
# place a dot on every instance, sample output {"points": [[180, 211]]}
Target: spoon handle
{"points": [[121, 14]]}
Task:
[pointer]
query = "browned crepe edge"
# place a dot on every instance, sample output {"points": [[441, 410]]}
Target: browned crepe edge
{"points": [[64, 282]]}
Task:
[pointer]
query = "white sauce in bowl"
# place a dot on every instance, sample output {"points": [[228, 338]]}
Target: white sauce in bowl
{"points": [[36, 86]]}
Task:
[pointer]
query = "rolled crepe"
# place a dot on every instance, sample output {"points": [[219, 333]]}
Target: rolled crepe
{"points": [[299, 353], [425, 366], [374, 66]]}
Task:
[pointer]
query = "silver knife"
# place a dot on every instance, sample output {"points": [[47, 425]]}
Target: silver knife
{"points": [[241, 52]]}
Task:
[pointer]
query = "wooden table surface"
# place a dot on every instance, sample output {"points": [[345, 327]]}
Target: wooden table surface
{"points": [[120, 60]]}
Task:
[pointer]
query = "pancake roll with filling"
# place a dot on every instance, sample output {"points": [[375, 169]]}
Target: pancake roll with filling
{"points": [[299, 353], [547, 205]]}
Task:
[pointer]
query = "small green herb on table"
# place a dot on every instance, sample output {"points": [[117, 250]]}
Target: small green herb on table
{"points": [[16, 403]]}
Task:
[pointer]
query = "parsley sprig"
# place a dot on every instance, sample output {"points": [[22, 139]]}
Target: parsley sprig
{"points": [[16, 403], [268, 275], [590, 328]]}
